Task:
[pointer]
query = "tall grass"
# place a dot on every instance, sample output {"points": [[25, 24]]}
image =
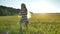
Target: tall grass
{"points": [[38, 24]]}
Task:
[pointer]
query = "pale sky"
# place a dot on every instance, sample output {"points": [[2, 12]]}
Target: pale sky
{"points": [[36, 6]]}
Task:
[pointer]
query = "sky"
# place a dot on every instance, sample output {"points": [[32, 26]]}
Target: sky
{"points": [[35, 6]]}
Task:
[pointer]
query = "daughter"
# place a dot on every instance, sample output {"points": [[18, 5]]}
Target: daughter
{"points": [[24, 18]]}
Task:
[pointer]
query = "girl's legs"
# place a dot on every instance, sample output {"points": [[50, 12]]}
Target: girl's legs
{"points": [[26, 23], [20, 24], [20, 31]]}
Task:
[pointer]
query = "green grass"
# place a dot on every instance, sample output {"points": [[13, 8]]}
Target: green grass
{"points": [[9, 23], [38, 24]]}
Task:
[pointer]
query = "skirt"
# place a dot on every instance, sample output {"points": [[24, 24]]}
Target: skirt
{"points": [[24, 19]]}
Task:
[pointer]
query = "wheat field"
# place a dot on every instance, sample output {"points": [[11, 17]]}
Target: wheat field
{"points": [[38, 24]]}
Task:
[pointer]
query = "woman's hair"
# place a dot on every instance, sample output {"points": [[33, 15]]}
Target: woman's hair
{"points": [[23, 7]]}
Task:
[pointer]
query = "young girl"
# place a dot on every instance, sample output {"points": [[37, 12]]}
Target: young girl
{"points": [[24, 18]]}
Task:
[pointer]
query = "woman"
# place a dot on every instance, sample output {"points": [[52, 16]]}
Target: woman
{"points": [[24, 15]]}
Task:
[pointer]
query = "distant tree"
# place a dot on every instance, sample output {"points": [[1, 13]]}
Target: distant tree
{"points": [[5, 11]]}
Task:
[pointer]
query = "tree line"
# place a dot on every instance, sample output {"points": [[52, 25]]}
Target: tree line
{"points": [[5, 11]]}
